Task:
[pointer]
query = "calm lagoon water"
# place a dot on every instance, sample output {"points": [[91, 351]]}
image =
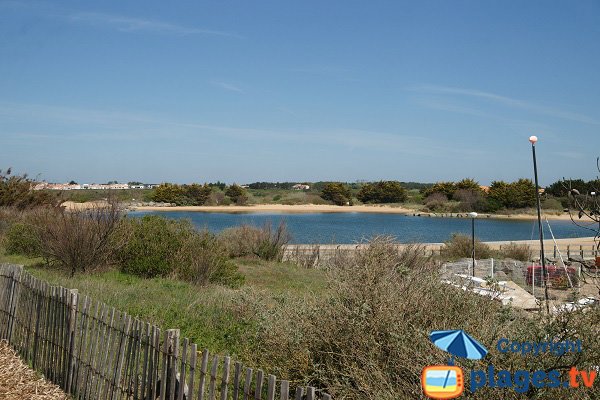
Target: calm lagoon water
{"points": [[352, 227]]}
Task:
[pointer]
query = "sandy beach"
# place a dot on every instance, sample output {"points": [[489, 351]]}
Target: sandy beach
{"points": [[314, 208]]}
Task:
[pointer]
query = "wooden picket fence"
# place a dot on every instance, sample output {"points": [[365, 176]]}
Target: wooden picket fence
{"points": [[93, 351]]}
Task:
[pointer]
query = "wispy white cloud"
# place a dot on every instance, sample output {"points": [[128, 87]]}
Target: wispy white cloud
{"points": [[120, 23], [506, 101], [99, 125], [134, 24], [227, 86]]}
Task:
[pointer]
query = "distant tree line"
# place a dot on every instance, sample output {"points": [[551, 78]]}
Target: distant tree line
{"points": [[198, 195], [472, 197]]}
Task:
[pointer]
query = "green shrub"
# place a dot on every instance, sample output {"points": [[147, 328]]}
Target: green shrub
{"points": [[202, 259], [382, 192], [153, 241], [551, 203], [161, 247], [23, 239], [461, 246]]}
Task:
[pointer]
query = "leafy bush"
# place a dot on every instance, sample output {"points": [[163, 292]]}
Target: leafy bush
{"points": [[552, 204], [461, 246], [202, 259], [264, 243], [152, 242], [160, 247], [521, 252], [382, 192], [22, 238]]}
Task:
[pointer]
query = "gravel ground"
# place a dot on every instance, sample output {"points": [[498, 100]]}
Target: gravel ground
{"points": [[19, 382]]}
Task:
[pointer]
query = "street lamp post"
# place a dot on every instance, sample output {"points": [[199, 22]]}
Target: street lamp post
{"points": [[473, 215], [533, 140]]}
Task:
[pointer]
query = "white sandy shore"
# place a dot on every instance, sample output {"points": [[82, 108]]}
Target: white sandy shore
{"points": [[314, 208]]}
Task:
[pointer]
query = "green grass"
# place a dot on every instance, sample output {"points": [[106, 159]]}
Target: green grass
{"points": [[215, 317], [282, 277]]}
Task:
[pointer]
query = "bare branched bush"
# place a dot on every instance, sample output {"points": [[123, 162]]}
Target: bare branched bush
{"points": [[265, 243], [79, 239], [461, 246]]}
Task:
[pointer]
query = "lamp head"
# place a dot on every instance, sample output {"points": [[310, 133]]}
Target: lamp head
{"points": [[473, 214], [533, 139]]}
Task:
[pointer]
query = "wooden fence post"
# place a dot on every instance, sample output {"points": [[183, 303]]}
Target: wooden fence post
{"points": [[74, 298]]}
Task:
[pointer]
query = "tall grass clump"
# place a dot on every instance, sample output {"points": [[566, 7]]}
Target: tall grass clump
{"points": [[265, 242], [520, 252], [461, 246]]}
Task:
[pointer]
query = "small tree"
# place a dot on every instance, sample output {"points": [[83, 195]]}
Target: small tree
{"points": [[198, 194], [446, 188], [336, 192], [382, 192], [237, 194]]}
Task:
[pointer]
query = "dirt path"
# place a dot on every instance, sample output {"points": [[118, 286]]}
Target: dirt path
{"points": [[19, 382]]}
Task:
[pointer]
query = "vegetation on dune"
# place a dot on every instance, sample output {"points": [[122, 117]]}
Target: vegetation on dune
{"points": [[17, 191], [337, 192], [182, 195], [382, 192], [237, 194]]}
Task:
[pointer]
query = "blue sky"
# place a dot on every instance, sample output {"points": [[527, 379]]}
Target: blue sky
{"points": [[290, 91]]}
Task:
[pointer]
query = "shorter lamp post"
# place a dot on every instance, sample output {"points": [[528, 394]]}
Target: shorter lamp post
{"points": [[473, 215]]}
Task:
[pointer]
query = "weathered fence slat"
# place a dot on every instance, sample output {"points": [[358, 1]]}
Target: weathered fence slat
{"points": [[213, 378], [285, 390], [248, 384], [259, 384], [203, 369], [237, 377], [271, 388], [193, 360], [225, 379]]}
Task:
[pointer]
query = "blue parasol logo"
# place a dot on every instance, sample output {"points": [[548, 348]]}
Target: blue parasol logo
{"points": [[459, 344]]}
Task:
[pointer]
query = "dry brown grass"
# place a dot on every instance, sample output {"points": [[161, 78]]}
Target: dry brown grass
{"points": [[19, 382]]}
